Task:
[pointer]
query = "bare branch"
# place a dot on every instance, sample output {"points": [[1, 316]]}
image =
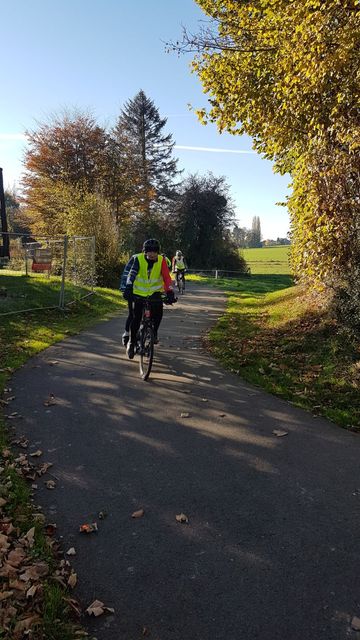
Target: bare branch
{"points": [[209, 41]]}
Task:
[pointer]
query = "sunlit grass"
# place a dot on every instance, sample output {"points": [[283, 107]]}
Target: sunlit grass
{"points": [[275, 336], [267, 260]]}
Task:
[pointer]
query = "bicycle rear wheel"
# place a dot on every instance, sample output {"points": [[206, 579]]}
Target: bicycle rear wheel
{"points": [[146, 351]]}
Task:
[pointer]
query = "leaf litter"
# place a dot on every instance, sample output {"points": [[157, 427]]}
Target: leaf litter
{"points": [[22, 572]]}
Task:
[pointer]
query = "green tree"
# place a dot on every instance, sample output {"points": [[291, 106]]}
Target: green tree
{"points": [[146, 154], [204, 216]]}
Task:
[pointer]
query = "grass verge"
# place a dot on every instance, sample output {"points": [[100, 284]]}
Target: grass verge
{"points": [[275, 336], [43, 615]]}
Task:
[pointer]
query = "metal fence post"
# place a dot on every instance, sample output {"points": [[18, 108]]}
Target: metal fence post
{"points": [[75, 263], [216, 274], [93, 246], [62, 290]]}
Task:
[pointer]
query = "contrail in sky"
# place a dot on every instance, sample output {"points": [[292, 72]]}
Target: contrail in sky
{"points": [[184, 147], [12, 136], [211, 149]]}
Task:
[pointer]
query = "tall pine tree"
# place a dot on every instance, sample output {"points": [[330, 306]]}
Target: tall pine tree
{"points": [[147, 155]]}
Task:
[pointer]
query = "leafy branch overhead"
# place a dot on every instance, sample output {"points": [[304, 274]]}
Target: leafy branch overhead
{"points": [[286, 73]]}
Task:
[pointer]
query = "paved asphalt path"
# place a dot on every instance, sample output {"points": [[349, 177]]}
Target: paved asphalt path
{"points": [[271, 550]]}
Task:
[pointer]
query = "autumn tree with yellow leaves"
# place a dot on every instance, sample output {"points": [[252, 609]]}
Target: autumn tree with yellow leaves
{"points": [[287, 74]]}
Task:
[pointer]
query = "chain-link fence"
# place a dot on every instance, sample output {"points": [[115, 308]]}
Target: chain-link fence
{"points": [[45, 271]]}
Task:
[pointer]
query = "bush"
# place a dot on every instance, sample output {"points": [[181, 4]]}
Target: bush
{"points": [[346, 304]]}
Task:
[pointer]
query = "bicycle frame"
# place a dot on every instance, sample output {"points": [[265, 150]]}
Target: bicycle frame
{"points": [[180, 281], [145, 341]]}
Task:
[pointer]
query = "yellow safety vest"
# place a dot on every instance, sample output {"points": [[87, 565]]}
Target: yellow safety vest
{"points": [[145, 283], [179, 263]]}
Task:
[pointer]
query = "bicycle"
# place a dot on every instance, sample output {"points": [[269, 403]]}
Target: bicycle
{"points": [[145, 339], [180, 282]]}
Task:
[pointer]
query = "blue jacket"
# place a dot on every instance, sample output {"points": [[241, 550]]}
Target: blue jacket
{"points": [[125, 273]]}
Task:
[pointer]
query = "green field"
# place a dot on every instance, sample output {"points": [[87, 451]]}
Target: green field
{"points": [[268, 260]]}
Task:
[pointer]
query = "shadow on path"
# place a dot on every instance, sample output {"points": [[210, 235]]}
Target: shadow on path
{"points": [[271, 549]]}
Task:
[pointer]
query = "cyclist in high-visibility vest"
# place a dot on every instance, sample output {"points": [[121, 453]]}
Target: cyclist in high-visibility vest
{"points": [[179, 266], [125, 273], [168, 261], [148, 276]]}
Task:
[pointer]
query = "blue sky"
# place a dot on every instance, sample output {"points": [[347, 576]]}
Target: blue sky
{"points": [[96, 54]]}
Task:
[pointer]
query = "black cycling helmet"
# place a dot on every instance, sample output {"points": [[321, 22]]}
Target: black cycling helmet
{"points": [[151, 245]]}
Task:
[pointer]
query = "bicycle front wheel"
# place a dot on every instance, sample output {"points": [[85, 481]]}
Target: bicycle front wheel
{"points": [[146, 351]]}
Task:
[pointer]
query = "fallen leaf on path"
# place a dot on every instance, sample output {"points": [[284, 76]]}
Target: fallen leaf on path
{"points": [[13, 415], [280, 433], [50, 401], [72, 580], [23, 626], [50, 529], [22, 442], [52, 362], [36, 454], [39, 517], [35, 572], [17, 585], [16, 557], [29, 537], [181, 517], [138, 514], [102, 515], [184, 414], [74, 605], [97, 608], [204, 400], [4, 542], [31, 592], [50, 484], [6, 528], [355, 623], [43, 468], [71, 552], [88, 528]]}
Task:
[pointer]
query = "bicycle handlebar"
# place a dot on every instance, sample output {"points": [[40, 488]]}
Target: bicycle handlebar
{"points": [[163, 298]]}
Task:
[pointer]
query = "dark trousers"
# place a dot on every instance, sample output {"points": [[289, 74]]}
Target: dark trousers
{"points": [[130, 316], [156, 313]]}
